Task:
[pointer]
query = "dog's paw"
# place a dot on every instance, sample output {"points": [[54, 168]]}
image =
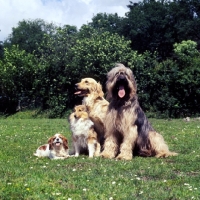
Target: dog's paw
{"points": [[96, 154], [76, 155], [124, 157], [106, 155]]}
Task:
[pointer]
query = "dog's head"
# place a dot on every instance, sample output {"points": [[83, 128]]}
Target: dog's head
{"points": [[80, 112], [57, 141], [121, 84], [88, 86]]}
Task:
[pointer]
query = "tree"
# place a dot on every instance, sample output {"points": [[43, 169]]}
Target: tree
{"points": [[29, 34], [157, 25], [68, 55], [54, 78], [18, 71], [186, 50], [184, 18], [94, 56], [107, 22], [1, 49], [188, 76]]}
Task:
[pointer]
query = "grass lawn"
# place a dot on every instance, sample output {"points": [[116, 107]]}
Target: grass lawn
{"points": [[24, 176]]}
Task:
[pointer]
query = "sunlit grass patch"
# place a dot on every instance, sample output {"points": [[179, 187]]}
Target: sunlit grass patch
{"points": [[24, 176]]}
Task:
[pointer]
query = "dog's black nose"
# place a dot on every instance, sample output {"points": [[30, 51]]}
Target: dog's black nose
{"points": [[121, 76], [76, 85]]}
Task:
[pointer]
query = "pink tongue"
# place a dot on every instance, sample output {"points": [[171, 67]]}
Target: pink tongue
{"points": [[121, 92], [77, 92], [57, 144]]}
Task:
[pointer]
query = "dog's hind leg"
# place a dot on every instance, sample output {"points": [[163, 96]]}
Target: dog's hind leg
{"points": [[159, 146]]}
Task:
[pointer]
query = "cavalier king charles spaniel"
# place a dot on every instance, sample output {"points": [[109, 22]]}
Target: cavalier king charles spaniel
{"points": [[57, 148]]}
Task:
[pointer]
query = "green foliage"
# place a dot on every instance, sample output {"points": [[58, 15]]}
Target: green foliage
{"points": [[96, 55], [168, 88], [29, 34], [147, 26], [18, 71], [157, 25], [1, 49], [107, 22], [54, 80], [158, 40], [186, 50], [23, 176]]}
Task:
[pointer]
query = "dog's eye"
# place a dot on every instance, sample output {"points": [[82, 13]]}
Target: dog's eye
{"points": [[117, 74], [86, 82]]}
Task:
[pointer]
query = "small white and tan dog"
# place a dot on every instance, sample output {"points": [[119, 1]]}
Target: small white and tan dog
{"points": [[57, 148], [83, 133]]}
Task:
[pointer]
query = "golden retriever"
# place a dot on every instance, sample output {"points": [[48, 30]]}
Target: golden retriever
{"points": [[93, 99]]}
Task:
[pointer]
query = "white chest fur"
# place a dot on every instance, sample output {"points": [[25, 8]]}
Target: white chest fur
{"points": [[81, 126]]}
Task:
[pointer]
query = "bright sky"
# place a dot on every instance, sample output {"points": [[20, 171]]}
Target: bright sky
{"points": [[60, 12]]}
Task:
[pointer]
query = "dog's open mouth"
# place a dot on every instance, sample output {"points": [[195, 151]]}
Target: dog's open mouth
{"points": [[58, 143], [121, 91], [121, 87], [81, 92]]}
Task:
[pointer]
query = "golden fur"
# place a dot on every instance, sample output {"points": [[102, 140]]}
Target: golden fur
{"points": [[127, 129], [93, 99], [57, 148], [83, 133]]}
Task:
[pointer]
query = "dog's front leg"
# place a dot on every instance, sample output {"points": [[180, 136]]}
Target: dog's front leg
{"points": [[126, 148], [98, 149], [91, 146], [110, 147], [77, 149]]}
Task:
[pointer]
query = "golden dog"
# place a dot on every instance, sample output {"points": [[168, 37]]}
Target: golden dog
{"points": [[127, 129], [93, 99]]}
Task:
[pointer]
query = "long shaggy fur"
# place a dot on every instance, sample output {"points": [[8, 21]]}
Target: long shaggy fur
{"points": [[93, 99], [84, 136], [127, 129]]}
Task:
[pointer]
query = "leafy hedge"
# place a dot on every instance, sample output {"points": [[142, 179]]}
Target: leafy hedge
{"points": [[169, 88]]}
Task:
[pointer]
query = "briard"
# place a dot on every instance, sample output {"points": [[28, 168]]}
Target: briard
{"points": [[127, 129]]}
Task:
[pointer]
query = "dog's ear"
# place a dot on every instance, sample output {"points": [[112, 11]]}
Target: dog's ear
{"points": [[99, 90], [133, 81], [50, 142], [65, 143], [108, 93]]}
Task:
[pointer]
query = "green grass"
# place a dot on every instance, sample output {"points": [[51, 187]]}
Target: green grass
{"points": [[23, 176]]}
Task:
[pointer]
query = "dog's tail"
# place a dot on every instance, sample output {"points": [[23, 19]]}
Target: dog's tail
{"points": [[166, 154]]}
